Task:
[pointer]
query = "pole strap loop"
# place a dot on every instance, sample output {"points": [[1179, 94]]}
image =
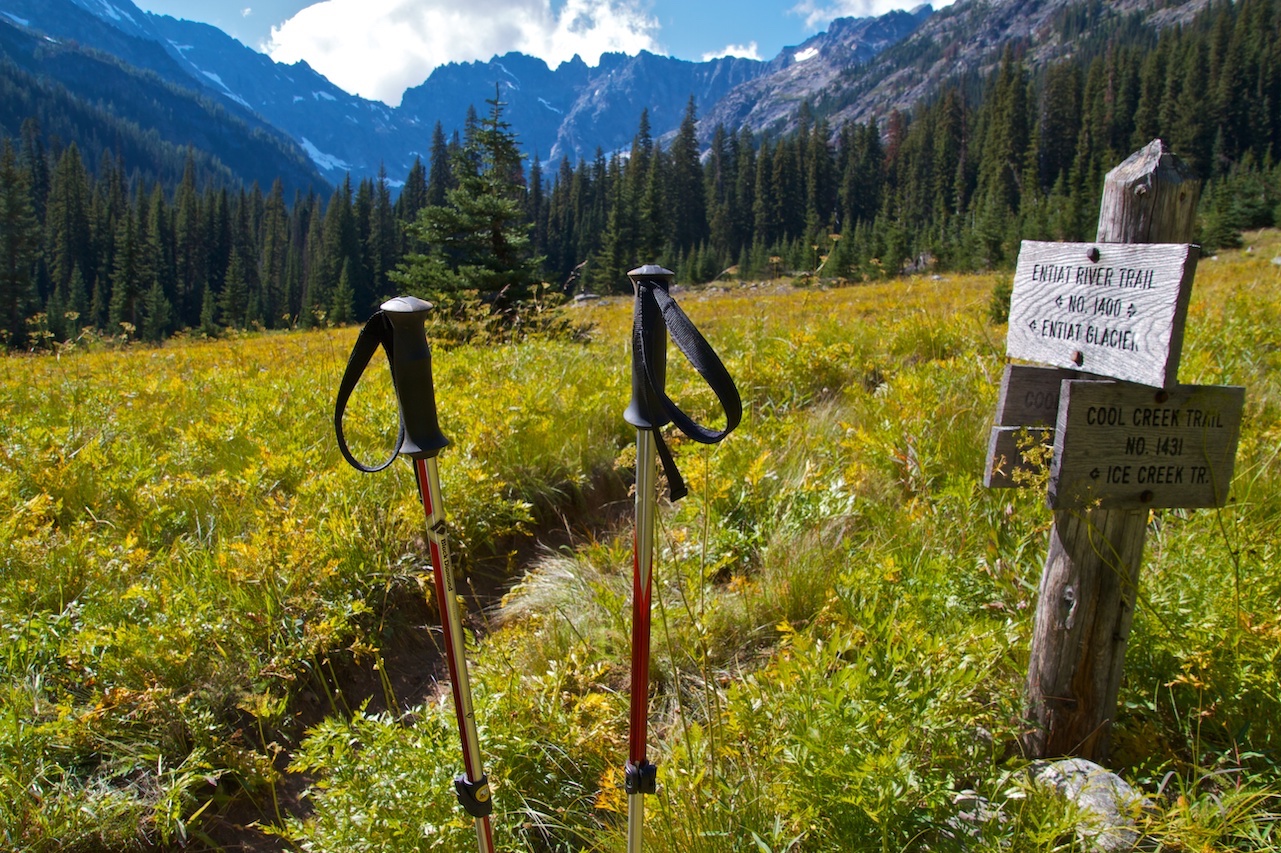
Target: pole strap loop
{"points": [[377, 332], [699, 353]]}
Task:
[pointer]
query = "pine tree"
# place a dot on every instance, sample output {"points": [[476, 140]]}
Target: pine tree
{"points": [[440, 180], [209, 324], [315, 294], [413, 195], [789, 190], [157, 313], [618, 241], [232, 300], [273, 299], [340, 309], [126, 278], [67, 232], [19, 247], [1005, 146], [685, 189], [35, 162], [863, 177], [191, 253], [478, 243], [381, 248], [820, 183], [1059, 121], [767, 227], [362, 271], [159, 261], [243, 245], [653, 232], [341, 241]]}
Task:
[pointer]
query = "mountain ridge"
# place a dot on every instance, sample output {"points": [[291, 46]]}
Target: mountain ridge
{"points": [[855, 70], [141, 95], [570, 111]]}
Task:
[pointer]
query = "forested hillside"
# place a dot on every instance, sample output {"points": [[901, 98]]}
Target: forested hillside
{"points": [[102, 103], [954, 183]]}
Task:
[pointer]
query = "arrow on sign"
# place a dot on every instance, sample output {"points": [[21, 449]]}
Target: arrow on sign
{"points": [[1133, 310], [1059, 301], [1032, 325], [1094, 475]]}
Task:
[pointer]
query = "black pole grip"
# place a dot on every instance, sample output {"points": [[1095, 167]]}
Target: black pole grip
{"points": [[411, 374], [646, 410]]}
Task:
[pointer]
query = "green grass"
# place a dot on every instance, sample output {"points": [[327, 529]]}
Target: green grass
{"points": [[192, 582]]}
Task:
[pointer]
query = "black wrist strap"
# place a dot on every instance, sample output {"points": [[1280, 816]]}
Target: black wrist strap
{"points": [[699, 353], [376, 333]]}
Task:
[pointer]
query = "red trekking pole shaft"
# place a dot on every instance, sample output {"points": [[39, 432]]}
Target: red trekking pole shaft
{"points": [[655, 314], [641, 776], [645, 412]]}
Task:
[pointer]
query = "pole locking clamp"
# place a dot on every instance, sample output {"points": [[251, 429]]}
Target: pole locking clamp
{"points": [[474, 797], [640, 778]]}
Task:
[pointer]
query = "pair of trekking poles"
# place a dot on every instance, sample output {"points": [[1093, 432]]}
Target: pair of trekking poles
{"points": [[399, 329]]}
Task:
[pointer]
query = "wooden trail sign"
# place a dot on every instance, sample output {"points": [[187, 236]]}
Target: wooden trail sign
{"points": [[1026, 411], [1126, 325], [1124, 446], [1111, 309]]}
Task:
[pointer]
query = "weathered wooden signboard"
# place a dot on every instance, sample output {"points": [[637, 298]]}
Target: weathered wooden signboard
{"points": [[1026, 411], [1124, 446], [1112, 309], [1030, 395]]}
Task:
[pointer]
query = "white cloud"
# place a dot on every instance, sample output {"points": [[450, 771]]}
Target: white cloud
{"points": [[246, 12], [817, 13], [378, 48], [743, 51]]}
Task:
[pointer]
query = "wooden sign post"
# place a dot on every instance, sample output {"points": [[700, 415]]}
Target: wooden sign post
{"points": [[1120, 448]]}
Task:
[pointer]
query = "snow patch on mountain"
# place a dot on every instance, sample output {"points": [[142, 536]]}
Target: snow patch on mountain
{"points": [[225, 90], [114, 12], [327, 162], [808, 53]]}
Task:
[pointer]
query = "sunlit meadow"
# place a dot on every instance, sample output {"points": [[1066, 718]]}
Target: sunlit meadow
{"points": [[208, 619]]}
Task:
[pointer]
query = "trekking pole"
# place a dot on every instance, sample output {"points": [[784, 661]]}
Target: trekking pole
{"points": [[398, 328], [654, 315]]}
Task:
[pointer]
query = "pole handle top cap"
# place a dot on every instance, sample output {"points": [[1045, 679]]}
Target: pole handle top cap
{"points": [[406, 305], [652, 272]]}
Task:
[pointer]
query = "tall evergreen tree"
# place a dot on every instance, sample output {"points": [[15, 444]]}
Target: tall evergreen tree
{"points": [[381, 245], [126, 277], [440, 180], [67, 232], [19, 247], [478, 243], [273, 299], [191, 255], [687, 195]]}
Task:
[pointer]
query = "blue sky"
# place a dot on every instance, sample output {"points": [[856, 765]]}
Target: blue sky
{"points": [[378, 48]]}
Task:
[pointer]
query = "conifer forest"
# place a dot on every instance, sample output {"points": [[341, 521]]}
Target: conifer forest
{"points": [[953, 183]]}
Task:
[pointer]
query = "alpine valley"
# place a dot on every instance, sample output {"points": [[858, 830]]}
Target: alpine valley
{"points": [[190, 84]]}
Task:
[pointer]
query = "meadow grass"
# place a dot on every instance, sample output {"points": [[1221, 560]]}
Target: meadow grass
{"points": [[187, 568]]}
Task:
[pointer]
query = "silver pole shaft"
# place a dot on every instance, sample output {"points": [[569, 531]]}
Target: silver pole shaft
{"points": [[452, 623]]}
